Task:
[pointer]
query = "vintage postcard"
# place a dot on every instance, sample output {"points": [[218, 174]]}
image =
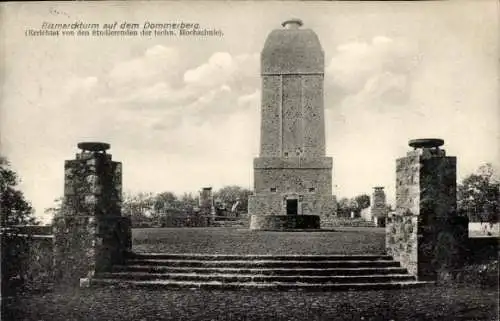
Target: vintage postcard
{"points": [[253, 160]]}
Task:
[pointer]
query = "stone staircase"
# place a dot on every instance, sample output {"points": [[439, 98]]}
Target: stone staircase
{"points": [[273, 272]]}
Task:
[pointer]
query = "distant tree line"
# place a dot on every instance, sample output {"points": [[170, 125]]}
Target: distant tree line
{"points": [[153, 209], [15, 210], [355, 205]]}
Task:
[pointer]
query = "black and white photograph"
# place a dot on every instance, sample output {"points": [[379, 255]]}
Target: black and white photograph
{"points": [[249, 160]]}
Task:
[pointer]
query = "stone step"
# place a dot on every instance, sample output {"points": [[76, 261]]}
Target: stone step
{"points": [[276, 286], [265, 263], [240, 278], [229, 257], [262, 271], [273, 272]]}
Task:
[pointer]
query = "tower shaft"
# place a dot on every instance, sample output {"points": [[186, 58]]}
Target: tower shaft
{"points": [[292, 116]]}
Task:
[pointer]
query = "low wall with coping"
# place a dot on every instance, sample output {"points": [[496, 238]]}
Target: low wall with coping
{"points": [[477, 229], [284, 222]]}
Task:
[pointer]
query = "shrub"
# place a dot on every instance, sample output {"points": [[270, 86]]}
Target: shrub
{"points": [[26, 263]]}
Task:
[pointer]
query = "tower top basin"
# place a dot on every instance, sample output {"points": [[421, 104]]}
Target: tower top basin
{"points": [[292, 23], [426, 143], [93, 146]]}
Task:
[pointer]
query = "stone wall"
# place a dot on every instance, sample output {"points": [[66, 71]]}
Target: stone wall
{"points": [[402, 240], [75, 247], [186, 221], [306, 179], [275, 204], [84, 245], [265, 204], [298, 180], [336, 221]]}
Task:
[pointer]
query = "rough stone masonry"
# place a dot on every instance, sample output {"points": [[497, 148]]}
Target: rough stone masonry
{"points": [[292, 175], [90, 235], [424, 233]]}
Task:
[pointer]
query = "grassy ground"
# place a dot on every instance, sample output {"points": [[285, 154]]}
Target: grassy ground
{"points": [[243, 241], [432, 303]]}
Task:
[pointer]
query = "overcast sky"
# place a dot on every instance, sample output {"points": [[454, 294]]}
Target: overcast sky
{"points": [[183, 113]]}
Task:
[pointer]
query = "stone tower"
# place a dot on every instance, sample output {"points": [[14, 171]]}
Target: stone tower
{"points": [[292, 176]]}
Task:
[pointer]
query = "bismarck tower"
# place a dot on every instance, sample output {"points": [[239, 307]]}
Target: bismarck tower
{"points": [[292, 176]]}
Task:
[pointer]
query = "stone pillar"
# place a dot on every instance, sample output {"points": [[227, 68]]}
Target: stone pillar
{"points": [[90, 235], [424, 233], [379, 208], [207, 209]]}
